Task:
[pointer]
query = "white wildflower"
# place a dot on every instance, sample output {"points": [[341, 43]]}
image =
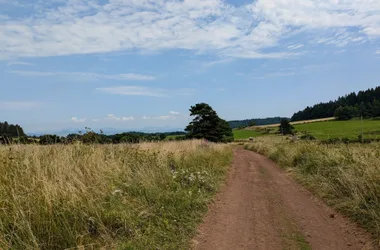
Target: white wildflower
{"points": [[117, 192]]}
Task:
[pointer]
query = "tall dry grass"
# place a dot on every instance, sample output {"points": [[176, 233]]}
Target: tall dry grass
{"points": [[147, 196], [346, 176]]}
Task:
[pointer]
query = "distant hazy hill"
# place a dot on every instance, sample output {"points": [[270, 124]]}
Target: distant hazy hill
{"points": [[110, 131], [257, 121]]}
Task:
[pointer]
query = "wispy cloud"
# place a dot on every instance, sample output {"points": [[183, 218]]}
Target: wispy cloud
{"points": [[133, 91], [295, 46], [340, 51], [121, 118], [377, 52], [165, 117], [19, 63], [286, 73], [269, 72], [4, 17], [78, 120], [144, 91], [18, 105], [173, 115], [207, 26], [210, 64], [120, 77], [12, 3]]}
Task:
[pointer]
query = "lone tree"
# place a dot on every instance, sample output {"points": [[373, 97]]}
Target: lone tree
{"points": [[286, 128], [208, 125]]}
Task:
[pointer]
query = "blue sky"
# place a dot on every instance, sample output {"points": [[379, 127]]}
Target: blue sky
{"points": [[131, 64]]}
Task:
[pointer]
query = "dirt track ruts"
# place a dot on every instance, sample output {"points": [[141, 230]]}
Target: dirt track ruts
{"points": [[261, 207]]}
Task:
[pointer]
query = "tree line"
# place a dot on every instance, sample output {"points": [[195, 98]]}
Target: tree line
{"points": [[364, 103], [255, 122], [11, 130], [91, 137], [205, 125]]}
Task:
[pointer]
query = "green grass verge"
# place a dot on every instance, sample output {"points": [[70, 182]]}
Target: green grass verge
{"points": [[341, 129], [242, 134]]}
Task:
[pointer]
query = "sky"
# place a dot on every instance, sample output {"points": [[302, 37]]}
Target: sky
{"points": [[130, 64]]}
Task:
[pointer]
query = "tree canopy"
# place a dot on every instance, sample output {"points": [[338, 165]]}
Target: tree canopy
{"points": [[208, 125], [285, 127], [91, 137], [255, 122], [346, 113], [11, 130], [364, 103]]}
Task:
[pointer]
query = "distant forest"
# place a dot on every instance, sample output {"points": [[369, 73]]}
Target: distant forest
{"points": [[257, 122], [100, 138], [16, 133], [11, 130], [364, 103]]}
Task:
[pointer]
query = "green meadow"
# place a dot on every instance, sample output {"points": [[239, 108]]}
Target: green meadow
{"points": [[241, 134], [342, 129], [323, 130]]}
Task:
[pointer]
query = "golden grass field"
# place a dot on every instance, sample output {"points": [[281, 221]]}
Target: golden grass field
{"points": [[145, 196], [347, 177]]}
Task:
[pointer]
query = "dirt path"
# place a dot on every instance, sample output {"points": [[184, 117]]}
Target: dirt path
{"points": [[262, 208]]}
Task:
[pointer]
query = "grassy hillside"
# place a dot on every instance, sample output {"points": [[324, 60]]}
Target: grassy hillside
{"points": [[342, 129], [325, 130], [346, 176], [295, 123], [146, 196]]}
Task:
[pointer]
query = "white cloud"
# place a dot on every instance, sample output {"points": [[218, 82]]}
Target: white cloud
{"points": [[146, 118], [205, 26], [372, 31], [276, 74], [267, 71], [216, 62], [95, 120], [78, 120], [295, 46], [340, 51], [133, 91], [19, 63], [165, 117], [377, 52], [85, 74], [122, 118], [144, 91], [255, 55], [18, 105], [173, 115], [128, 118]]}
